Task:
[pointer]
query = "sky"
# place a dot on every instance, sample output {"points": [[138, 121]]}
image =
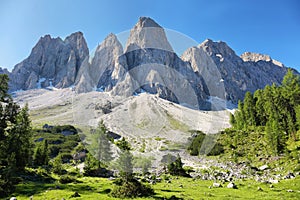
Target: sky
{"points": [[263, 26]]}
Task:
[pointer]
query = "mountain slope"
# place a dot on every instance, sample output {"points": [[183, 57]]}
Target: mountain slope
{"points": [[216, 62], [52, 62]]}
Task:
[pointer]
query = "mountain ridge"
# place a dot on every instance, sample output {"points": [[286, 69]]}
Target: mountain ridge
{"points": [[209, 69]]}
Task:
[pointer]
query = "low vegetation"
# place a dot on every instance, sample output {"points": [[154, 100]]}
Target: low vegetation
{"points": [[44, 162]]}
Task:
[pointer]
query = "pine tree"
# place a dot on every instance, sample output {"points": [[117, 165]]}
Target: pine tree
{"points": [[124, 165], [103, 152], [259, 107], [41, 156], [15, 136], [240, 116], [249, 110]]}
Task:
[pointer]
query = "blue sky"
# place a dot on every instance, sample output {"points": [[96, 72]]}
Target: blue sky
{"points": [[264, 26]]}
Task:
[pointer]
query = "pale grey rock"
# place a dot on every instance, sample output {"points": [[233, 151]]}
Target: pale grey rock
{"points": [[255, 57], [216, 185], [51, 59], [153, 67], [263, 167], [147, 34], [105, 68], [231, 185], [221, 67]]}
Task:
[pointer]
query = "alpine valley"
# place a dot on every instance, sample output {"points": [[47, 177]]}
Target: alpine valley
{"points": [[160, 105]]}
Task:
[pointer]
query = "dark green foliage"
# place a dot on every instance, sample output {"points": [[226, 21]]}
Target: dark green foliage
{"points": [[57, 165], [204, 144], [130, 189], [127, 186], [176, 168], [41, 157], [67, 179], [57, 142], [123, 145], [196, 143], [273, 108], [124, 164], [3, 87], [103, 149], [15, 139]]}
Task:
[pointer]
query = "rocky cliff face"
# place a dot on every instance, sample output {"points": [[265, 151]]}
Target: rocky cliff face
{"points": [[153, 67], [218, 63], [146, 64], [4, 71], [147, 34], [52, 62], [102, 71]]}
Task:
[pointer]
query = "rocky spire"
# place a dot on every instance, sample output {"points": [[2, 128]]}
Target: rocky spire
{"points": [[52, 61], [147, 34]]}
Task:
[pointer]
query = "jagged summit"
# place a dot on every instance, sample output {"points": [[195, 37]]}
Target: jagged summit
{"points": [[52, 62], [147, 22], [255, 57], [219, 47], [147, 34]]}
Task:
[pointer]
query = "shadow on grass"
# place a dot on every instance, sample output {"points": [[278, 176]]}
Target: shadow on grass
{"points": [[31, 188], [173, 197], [167, 190]]}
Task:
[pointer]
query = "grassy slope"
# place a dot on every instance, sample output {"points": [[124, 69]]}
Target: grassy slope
{"points": [[97, 188]]}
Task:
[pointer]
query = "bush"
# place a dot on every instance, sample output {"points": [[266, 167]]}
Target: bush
{"points": [[6, 187], [176, 168], [216, 150], [67, 179], [130, 189]]}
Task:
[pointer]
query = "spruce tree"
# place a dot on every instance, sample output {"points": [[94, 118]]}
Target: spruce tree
{"points": [[15, 137], [249, 110], [103, 151]]}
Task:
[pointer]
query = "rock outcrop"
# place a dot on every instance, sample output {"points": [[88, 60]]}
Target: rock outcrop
{"points": [[220, 66], [147, 34], [4, 71], [102, 71], [153, 67], [52, 62]]}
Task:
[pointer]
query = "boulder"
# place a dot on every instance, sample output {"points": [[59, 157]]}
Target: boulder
{"points": [[231, 185]]}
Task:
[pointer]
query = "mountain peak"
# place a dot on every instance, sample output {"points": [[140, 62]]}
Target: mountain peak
{"points": [[219, 47], [147, 34], [147, 22]]}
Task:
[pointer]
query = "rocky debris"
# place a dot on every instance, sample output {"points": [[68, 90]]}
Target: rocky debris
{"points": [[273, 181], [232, 185], [52, 62], [259, 189], [290, 175], [264, 167], [13, 198], [216, 185], [289, 190]]}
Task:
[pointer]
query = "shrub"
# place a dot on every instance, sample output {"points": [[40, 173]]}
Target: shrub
{"points": [[130, 189], [67, 179]]}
